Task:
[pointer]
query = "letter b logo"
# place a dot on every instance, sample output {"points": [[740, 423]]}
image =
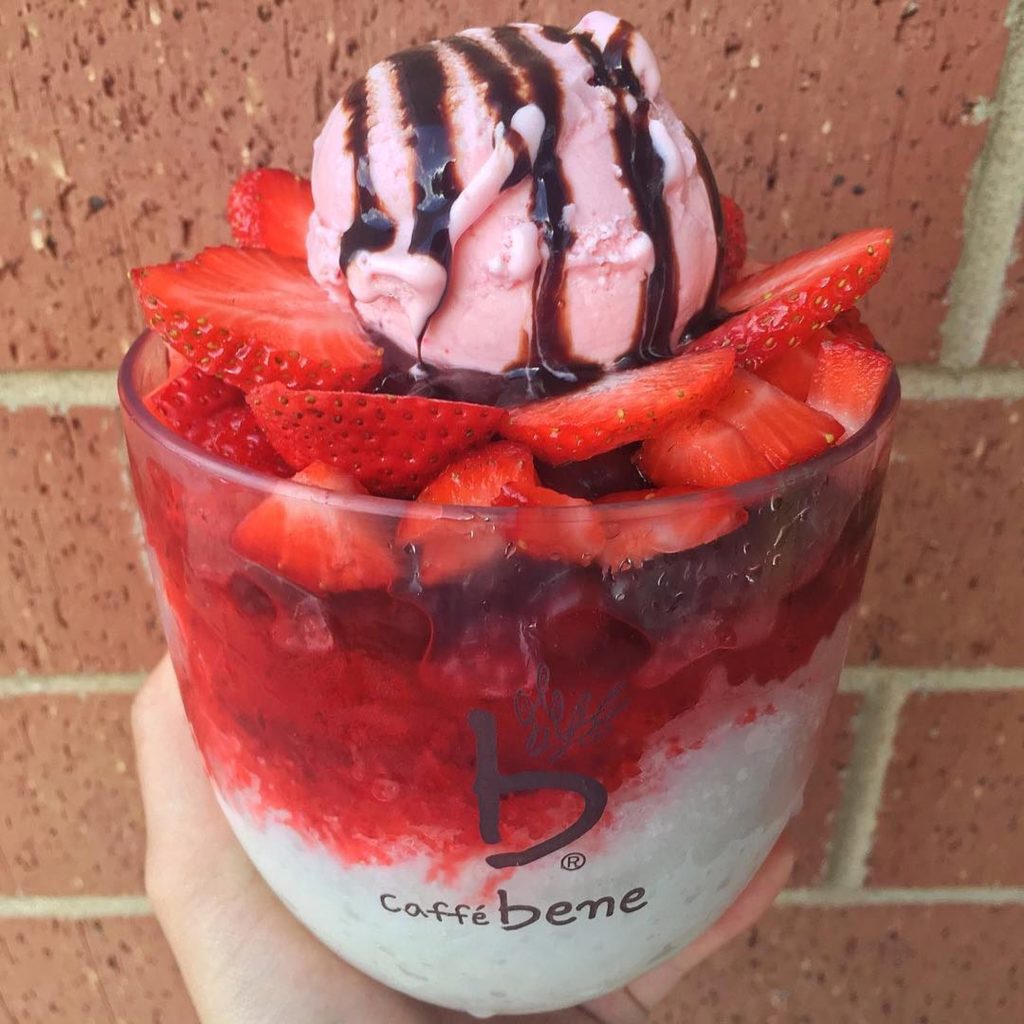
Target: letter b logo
{"points": [[491, 785]]}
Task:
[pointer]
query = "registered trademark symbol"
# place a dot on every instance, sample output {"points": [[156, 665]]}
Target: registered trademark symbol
{"points": [[573, 861]]}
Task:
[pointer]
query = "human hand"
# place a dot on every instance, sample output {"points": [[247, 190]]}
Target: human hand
{"points": [[243, 956]]}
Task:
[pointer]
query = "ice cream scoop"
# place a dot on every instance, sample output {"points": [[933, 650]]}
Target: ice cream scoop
{"points": [[517, 197]]}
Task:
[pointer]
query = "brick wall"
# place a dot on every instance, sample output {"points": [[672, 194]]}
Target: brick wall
{"points": [[124, 122]]}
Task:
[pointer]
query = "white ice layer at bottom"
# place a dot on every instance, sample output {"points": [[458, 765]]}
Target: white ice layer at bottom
{"points": [[690, 832]]}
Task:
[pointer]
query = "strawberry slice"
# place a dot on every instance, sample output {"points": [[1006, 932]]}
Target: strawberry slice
{"points": [[253, 317], [782, 429], [793, 305], [213, 415], [636, 535], [705, 453], [393, 445], [734, 234], [837, 274], [850, 327], [575, 537], [791, 372], [848, 383], [315, 544], [190, 398], [621, 407], [234, 434], [270, 208], [450, 548]]}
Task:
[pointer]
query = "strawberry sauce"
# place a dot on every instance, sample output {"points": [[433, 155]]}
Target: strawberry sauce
{"points": [[348, 715]]}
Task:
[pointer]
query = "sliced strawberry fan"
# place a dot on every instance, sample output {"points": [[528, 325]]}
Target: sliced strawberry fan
{"points": [[620, 408], [253, 317], [393, 445]]}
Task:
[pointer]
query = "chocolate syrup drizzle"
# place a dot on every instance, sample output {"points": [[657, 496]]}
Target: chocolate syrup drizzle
{"points": [[372, 230], [550, 349], [501, 93], [527, 75]]}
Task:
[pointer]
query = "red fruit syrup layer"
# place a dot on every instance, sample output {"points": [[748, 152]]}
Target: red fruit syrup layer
{"points": [[346, 714]]}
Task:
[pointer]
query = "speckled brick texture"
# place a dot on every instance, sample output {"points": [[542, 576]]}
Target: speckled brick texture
{"points": [[126, 122], [864, 965], [945, 585], [70, 816], [75, 596], [111, 971], [953, 803]]}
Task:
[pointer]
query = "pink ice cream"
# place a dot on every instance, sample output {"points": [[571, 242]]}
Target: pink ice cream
{"points": [[516, 196]]}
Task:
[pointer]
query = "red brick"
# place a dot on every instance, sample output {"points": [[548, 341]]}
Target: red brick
{"points": [[72, 820], [951, 813], [864, 965], [89, 972], [76, 597], [945, 585], [811, 830], [124, 134], [1006, 342]]}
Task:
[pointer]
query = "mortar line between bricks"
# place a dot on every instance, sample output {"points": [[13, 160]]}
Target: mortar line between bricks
{"points": [[58, 389], [69, 685], [64, 389], [865, 679], [73, 908], [874, 741], [939, 383], [991, 213], [840, 896]]}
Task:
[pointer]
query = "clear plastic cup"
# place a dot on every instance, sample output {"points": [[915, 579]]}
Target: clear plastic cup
{"points": [[520, 787]]}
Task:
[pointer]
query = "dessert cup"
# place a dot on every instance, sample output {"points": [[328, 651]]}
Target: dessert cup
{"points": [[516, 789]]}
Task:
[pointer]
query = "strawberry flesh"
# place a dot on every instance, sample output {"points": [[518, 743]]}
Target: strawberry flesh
{"points": [[734, 235], [851, 328], [848, 383], [621, 407], [269, 208], [706, 453], [319, 546], [780, 428], [635, 535], [252, 317], [450, 548], [575, 537], [393, 445], [791, 372], [213, 415], [835, 275]]}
